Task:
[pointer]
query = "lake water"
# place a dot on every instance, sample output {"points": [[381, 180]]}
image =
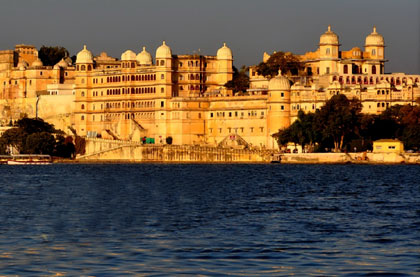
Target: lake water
{"points": [[241, 220]]}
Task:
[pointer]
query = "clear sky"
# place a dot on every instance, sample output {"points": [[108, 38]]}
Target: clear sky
{"points": [[249, 27]]}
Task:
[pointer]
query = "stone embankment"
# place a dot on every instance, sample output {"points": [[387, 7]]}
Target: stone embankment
{"points": [[357, 158], [101, 150], [114, 150]]}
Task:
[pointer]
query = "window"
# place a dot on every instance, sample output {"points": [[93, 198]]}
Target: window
{"points": [[162, 62], [282, 94], [162, 76], [327, 51], [82, 117], [82, 93], [373, 52], [211, 114], [282, 107], [162, 104], [162, 90], [327, 70]]}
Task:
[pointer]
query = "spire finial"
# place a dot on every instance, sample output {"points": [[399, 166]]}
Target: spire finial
{"points": [[374, 28], [224, 44], [84, 47], [144, 48], [164, 43], [279, 74], [329, 28]]}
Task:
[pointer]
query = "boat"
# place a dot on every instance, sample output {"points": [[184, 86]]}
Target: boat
{"points": [[28, 159]]}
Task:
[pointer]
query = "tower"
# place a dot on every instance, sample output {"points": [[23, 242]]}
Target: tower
{"points": [[328, 52], [278, 105], [374, 53], [84, 67]]}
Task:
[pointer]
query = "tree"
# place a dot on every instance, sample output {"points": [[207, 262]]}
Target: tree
{"points": [[40, 143], [287, 62], [338, 119], [240, 80], [34, 136], [51, 55], [15, 137]]}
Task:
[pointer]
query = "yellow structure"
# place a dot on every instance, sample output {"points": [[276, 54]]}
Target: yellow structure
{"points": [[388, 146], [183, 96], [30, 88], [355, 73]]}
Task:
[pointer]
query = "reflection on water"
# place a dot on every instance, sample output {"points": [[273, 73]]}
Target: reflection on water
{"points": [[150, 219]]}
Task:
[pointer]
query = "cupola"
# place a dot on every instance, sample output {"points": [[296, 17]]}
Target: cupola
{"points": [[224, 53], [144, 57]]}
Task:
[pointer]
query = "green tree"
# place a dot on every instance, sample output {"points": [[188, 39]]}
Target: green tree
{"points": [[338, 119], [15, 137], [51, 55], [240, 80], [287, 62], [40, 143]]}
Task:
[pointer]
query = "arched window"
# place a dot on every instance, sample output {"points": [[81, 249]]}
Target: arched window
{"points": [[373, 69], [82, 93], [373, 52], [82, 117], [162, 62], [327, 51], [83, 67], [162, 90], [346, 69], [133, 65], [89, 67], [82, 106]]}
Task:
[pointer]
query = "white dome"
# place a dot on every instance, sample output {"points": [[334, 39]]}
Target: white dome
{"points": [[163, 51], [144, 57], [224, 53], [37, 63], [374, 39], [328, 38], [84, 56], [128, 56], [279, 83]]}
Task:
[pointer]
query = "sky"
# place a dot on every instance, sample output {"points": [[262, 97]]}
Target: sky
{"points": [[249, 27]]}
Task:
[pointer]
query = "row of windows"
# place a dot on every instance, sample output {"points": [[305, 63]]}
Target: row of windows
{"points": [[236, 130], [137, 104], [371, 80], [119, 91], [383, 105], [125, 78], [109, 117], [298, 107], [236, 114]]}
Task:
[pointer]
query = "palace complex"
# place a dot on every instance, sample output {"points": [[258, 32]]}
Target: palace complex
{"points": [[183, 96]]}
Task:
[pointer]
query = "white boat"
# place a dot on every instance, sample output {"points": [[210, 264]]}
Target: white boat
{"points": [[28, 159]]}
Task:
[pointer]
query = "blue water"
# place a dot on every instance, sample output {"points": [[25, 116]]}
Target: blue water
{"points": [[239, 220]]}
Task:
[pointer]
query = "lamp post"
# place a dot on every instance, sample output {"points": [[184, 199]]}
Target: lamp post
{"points": [[36, 105]]}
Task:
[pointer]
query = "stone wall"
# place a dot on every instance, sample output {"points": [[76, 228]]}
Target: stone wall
{"points": [[114, 150]]}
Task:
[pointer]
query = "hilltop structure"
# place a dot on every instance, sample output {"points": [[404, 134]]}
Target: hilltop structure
{"points": [[183, 96]]}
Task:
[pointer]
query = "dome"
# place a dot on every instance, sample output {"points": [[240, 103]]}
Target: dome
{"points": [[224, 53], [279, 83], [329, 37], [163, 51], [144, 57], [128, 56], [84, 56], [37, 63], [374, 39]]}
